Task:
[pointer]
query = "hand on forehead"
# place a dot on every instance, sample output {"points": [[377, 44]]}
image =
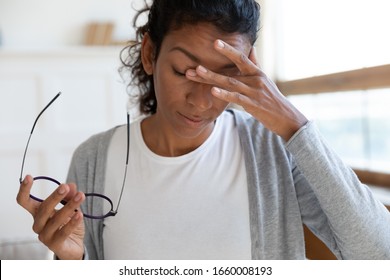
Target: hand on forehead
{"points": [[197, 45]]}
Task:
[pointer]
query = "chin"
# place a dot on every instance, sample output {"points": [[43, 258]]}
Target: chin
{"points": [[190, 132]]}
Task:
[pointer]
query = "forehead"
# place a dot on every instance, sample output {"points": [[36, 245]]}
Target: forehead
{"points": [[199, 40]]}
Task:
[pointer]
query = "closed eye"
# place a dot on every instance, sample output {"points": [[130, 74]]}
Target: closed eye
{"points": [[178, 73]]}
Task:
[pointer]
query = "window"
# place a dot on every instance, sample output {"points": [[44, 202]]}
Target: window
{"points": [[325, 36], [356, 124], [314, 38]]}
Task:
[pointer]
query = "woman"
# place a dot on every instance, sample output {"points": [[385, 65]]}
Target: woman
{"points": [[204, 182]]}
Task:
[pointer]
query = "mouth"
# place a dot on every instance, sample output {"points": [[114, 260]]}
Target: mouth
{"points": [[192, 121]]}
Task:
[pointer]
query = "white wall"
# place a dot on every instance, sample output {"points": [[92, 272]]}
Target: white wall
{"points": [[93, 99], [53, 23], [41, 53]]}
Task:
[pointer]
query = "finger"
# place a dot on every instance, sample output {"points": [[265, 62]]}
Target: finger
{"points": [[23, 196], [206, 76], [242, 61], [61, 218], [231, 97], [72, 232], [63, 215], [72, 191], [47, 208], [70, 227]]}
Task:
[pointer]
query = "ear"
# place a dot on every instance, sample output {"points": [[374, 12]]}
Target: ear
{"points": [[147, 54]]}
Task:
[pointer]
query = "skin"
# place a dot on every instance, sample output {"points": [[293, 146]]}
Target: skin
{"points": [[218, 69], [197, 73], [61, 231], [186, 109]]}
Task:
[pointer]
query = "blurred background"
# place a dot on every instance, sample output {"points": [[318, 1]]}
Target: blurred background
{"points": [[330, 57]]}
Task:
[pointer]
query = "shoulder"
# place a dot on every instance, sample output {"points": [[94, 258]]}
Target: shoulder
{"points": [[250, 128], [258, 141], [94, 145], [89, 160], [238, 115]]}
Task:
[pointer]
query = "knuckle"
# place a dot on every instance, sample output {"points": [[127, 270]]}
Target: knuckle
{"points": [[42, 238], [236, 97], [19, 199], [43, 208], [214, 76], [243, 58], [232, 81], [259, 82], [36, 228], [240, 98], [228, 95]]}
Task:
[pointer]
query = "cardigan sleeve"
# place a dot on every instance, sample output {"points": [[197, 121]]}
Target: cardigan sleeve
{"points": [[87, 171], [354, 224]]}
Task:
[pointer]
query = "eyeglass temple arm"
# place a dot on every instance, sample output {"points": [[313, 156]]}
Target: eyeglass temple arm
{"points": [[32, 130], [128, 138], [127, 162], [44, 109]]}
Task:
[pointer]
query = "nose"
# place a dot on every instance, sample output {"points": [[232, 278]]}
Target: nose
{"points": [[200, 96]]}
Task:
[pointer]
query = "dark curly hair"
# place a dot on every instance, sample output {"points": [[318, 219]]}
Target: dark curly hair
{"points": [[229, 16]]}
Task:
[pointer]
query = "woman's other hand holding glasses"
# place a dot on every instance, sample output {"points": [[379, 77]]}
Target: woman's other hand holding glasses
{"points": [[62, 231]]}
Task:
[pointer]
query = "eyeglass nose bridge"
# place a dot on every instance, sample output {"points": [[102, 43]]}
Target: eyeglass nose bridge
{"points": [[110, 213]]}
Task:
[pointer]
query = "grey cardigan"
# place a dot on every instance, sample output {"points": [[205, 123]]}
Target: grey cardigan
{"points": [[289, 184]]}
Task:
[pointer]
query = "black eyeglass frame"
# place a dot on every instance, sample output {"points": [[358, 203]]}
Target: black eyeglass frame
{"points": [[112, 212]]}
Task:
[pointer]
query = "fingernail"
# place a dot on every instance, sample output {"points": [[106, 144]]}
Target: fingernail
{"points": [[25, 181], [217, 90], [61, 189], [220, 44], [77, 197], [202, 69]]}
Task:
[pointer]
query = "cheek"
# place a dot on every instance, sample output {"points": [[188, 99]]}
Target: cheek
{"points": [[169, 88], [219, 104]]}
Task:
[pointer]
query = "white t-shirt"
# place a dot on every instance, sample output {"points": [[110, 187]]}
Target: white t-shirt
{"points": [[193, 206]]}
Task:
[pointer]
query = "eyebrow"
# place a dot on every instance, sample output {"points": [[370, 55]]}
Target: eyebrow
{"points": [[197, 60]]}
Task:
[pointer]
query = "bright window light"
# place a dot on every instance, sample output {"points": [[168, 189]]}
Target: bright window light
{"points": [[323, 36], [306, 38]]}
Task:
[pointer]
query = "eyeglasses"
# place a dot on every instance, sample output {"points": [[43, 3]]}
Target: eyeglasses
{"points": [[92, 198]]}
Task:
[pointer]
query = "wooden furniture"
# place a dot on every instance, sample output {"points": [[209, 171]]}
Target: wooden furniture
{"points": [[315, 248]]}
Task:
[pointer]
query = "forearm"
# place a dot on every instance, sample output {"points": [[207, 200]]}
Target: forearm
{"points": [[359, 222]]}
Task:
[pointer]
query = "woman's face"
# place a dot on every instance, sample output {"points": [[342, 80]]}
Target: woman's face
{"points": [[185, 108]]}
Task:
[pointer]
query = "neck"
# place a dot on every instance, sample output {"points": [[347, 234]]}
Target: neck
{"points": [[164, 141]]}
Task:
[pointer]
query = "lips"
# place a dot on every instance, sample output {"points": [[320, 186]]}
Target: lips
{"points": [[194, 121]]}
